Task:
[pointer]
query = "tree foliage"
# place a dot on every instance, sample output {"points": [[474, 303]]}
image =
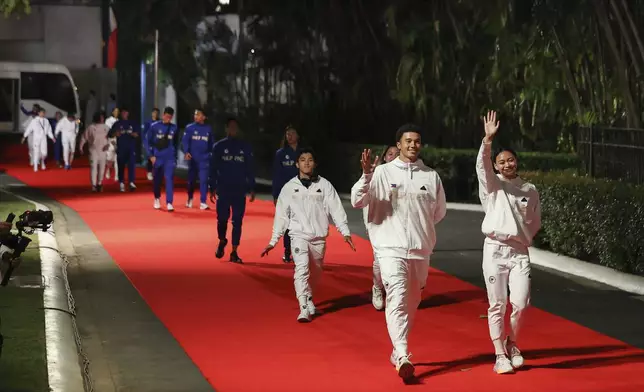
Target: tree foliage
{"points": [[14, 7], [355, 70]]}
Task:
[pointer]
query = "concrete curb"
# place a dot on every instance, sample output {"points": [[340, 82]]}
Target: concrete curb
{"points": [[568, 265], [63, 366]]}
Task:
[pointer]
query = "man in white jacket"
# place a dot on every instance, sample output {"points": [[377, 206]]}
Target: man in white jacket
{"points": [[96, 137], [39, 129], [67, 129], [378, 288], [405, 200], [303, 208], [512, 219]]}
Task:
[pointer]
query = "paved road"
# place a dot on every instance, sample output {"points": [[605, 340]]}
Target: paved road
{"points": [[131, 350]]}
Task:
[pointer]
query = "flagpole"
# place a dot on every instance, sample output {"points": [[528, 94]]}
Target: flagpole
{"points": [[156, 68]]}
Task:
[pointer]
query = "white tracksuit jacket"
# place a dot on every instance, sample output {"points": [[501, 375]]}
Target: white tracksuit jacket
{"points": [[405, 202], [68, 130], [512, 207], [305, 212], [40, 129]]}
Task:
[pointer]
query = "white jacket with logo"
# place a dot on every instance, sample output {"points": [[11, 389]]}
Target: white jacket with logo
{"points": [[512, 207], [305, 212], [405, 201], [69, 129]]}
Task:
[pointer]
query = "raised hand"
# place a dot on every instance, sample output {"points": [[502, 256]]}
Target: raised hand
{"points": [[365, 162], [491, 126]]}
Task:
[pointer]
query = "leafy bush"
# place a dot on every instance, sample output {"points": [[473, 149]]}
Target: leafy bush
{"points": [[596, 220], [341, 165]]}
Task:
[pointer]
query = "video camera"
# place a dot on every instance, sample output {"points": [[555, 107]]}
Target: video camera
{"points": [[13, 245]]}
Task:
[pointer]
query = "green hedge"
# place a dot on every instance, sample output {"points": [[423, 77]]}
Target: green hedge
{"points": [[595, 220], [341, 164]]}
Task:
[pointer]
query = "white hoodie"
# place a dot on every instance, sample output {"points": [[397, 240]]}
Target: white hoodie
{"points": [[69, 129], [512, 207], [305, 212], [405, 201]]}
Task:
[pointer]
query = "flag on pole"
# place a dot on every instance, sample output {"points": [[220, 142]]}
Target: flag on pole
{"points": [[111, 41]]}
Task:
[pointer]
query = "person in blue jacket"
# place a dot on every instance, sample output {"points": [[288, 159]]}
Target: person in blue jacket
{"points": [[284, 170], [127, 134], [232, 176], [146, 127], [163, 154], [197, 143]]}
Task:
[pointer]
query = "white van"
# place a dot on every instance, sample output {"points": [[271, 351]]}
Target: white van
{"points": [[24, 84]]}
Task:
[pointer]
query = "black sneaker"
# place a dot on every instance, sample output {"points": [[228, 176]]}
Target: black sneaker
{"points": [[221, 248], [234, 258]]}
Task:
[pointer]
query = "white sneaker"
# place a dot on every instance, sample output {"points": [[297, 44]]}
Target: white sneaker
{"points": [[515, 354], [43, 167], [189, 203], [204, 206], [132, 185], [157, 204], [311, 306], [150, 176], [122, 186], [35, 168], [169, 207], [305, 315], [376, 298], [503, 365], [404, 367]]}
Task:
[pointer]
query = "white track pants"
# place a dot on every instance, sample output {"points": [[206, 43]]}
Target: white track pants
{"points": [[377, 277], [505, 267], [69, 147], [97, 163], [308, 258], [404, 281], [30, 143]]}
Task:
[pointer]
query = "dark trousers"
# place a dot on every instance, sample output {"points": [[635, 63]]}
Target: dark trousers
{"points": [[198, 169], [227, 201], [164, 169], [126, 158], [58, 149]]}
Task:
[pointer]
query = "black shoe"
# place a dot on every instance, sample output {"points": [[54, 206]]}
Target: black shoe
{"points": [[221, 248], [94, 189], [99, 188], [234, 258]]}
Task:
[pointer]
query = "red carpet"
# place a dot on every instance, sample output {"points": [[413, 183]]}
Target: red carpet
{"points": [[238, 323]]}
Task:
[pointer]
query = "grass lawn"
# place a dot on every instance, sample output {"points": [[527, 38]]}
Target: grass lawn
{"points": [[23, 365]]}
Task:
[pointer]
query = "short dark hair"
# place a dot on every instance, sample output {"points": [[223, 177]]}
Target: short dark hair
{"points": [[306, 150], [408, 128], [231, 119], [200, 110], [41, 109], [156, 110], [168, 110]]}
